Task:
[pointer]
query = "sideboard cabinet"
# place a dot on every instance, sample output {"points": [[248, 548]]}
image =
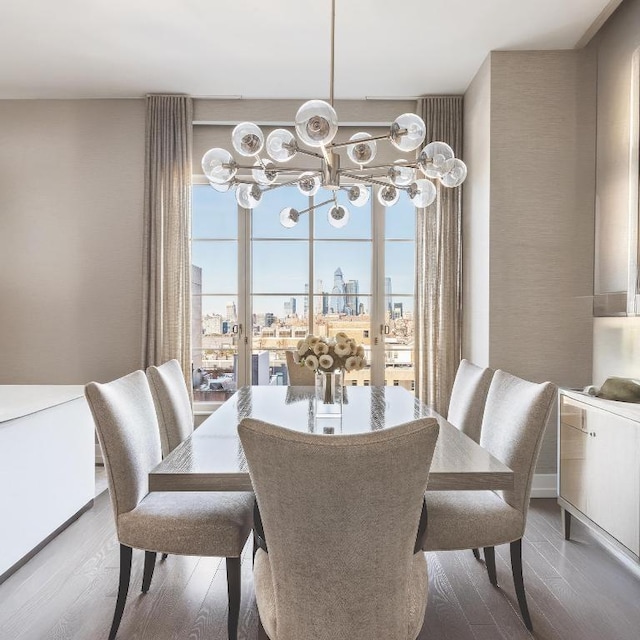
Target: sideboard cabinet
{"points": [[599, 467]]}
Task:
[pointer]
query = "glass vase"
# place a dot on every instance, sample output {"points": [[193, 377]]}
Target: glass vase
{"points": [[329, 393]]}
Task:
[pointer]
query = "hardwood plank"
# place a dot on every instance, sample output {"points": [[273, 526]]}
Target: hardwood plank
{"points": [[444, 605]]}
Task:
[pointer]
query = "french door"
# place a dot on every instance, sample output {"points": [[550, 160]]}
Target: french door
{"points": [[258, 288]]}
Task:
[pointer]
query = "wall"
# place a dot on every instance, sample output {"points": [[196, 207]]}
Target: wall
{"points": [[71, 198], [540, 218], [615, 340], [476, 217]]}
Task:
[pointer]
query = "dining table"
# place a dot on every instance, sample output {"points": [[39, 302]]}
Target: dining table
{"points": [[212, 458]]}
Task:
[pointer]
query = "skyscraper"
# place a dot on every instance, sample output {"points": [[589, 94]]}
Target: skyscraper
{"points": [[338, 291], [318, 294], [351, 298], [388, 297], [290, 307], [232, 314]]}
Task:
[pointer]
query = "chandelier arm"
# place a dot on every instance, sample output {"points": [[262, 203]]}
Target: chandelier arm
{"points": [[315, 206], [288, 183], [348, 143], [310, 153], [371, 180], [384, 166], [278, 169]]}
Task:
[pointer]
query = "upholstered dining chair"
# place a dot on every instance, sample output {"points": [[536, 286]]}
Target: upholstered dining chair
{"points": [[339, 532], [172, 402], [468, 397], [515, 417], [299, 376], [179, 523]]}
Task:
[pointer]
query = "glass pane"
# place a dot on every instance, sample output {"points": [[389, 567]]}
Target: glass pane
{"points": [[399, 370], [280, 311], [400, 220], [213, 214], [358, 327], [358, 226], [218, 262], [279, 322], [400, 268], [266, 217], [214, 347], [343, 267], [399, 319], [280, 266]]}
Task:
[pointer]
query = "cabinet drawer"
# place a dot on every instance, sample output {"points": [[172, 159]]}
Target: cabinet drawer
{"points": [[572, 413], [574, 473]]}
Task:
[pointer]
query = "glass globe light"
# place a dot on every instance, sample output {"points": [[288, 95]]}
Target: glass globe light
{"points": [[400, 174], [415, 132], [222, 188], [338, 216], [308, 184], [289, 217], [456, 176], [388, 195], [364, 151], [248, 196], [422, 192], [247, 139], [264, 173], [218, 165], [316, 123], [281, 145], [358, 195], [436, 159]]}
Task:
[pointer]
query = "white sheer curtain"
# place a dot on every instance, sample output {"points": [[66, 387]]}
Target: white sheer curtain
{"points": [[167, 232], [439, 267]]}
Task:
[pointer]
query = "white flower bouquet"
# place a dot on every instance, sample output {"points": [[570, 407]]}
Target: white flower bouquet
{"points": [[330, 354]]}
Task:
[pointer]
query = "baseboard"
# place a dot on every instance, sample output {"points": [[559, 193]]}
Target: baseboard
{"points": [[545, 485]]}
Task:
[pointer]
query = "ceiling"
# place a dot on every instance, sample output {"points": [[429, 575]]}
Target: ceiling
{"points": [[276, 49]]}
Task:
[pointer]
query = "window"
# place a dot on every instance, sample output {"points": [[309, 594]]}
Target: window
{"points": [[259, 288]]}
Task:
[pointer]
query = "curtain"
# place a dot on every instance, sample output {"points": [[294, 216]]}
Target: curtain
{"points": [[439, 267], [167, 232]]}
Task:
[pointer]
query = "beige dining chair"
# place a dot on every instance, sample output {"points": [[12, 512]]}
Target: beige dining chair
{"points": [[515, 417], [468, 397], [299, 376], [339, 535], [179, 523], [172, 403]]}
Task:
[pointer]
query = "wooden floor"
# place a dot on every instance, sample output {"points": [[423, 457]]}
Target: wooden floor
{"points": [[577, 590]]}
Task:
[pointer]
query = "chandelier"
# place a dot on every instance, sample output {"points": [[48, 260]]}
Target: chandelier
{"points": [[316, 126]]}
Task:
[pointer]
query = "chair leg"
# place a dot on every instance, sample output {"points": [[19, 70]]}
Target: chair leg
{"points": [[476, 554], [516, 569], [262, 634], [566, 524], [149, 566], [490, 561], [123, 588], [233, 590]]}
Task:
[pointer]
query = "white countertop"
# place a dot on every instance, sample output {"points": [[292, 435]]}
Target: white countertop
{"points": [[629, 410], [17, 400]]}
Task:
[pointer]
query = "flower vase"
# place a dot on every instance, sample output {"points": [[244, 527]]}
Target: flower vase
{"points": [[329, 393]]}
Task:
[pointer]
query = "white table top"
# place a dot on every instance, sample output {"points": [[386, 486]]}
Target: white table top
{"points": [[212, 458], [17, 400], [629, 410]]}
